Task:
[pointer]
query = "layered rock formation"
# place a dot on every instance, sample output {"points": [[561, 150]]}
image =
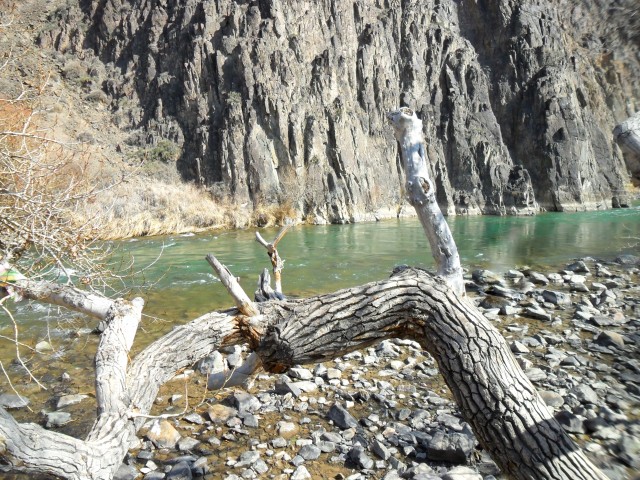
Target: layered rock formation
{"points": [[284, 101], [627, 135]]}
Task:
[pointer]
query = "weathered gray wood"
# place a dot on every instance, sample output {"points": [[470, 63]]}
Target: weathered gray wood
{"points": [[276, 262], [264, 292], [496, 398], [92, 304], [121, 408], [508, 416], [422, 196], [29, 448], [243, 302]]}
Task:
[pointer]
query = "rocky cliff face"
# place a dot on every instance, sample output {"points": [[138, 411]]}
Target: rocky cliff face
{"points": [[285, 100]]}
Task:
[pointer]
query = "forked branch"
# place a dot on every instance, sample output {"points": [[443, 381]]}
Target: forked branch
{"points": [[276, 262]]}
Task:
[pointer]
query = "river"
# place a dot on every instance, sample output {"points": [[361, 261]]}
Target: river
{"points": [[178, 284], [320, 259]]}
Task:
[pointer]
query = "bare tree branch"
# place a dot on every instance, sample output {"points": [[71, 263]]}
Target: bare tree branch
{"points": [[276, 262], [422, 196]]}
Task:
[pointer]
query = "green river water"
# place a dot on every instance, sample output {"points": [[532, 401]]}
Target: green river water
{"points": [[320, 259], [178, 284]]}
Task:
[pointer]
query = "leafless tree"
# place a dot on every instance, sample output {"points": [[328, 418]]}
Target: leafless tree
{"points": [[507, 414]]}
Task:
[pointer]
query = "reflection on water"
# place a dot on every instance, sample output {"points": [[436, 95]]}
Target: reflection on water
{"points": [[180, 285], [319, 259]]}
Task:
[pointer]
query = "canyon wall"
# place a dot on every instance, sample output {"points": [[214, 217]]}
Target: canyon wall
{"points": [[285, 100]]}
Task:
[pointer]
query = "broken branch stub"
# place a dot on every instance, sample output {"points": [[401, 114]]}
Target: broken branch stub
{"points": [[248, 328], [422, 196], [276, 262], [243, 302]]}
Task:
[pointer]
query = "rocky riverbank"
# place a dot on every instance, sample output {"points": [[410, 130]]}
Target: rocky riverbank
{"points": [[385, 413]]}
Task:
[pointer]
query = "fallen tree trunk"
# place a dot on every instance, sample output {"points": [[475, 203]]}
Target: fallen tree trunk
{"points": [[124, 395], [495, 397], [508, 416], [506, 413]]}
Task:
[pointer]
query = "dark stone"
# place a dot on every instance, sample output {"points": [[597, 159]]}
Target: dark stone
{"points": [[451, 447], [486, 277], [594, 424], [538, 278], [57, 419], [535, 374], [126, 472], [244, 402], [628, 260], [247, 459], [570, 422], [578, 267], [310, 452], [607, 321], [517, 347], [380, 450], [325, 446], [552, 399], [491, 301], [180, 471], [629, 450], [155, 475], [358, 457], [503, 292], [284, 386], [341, 417], [557, 298], [536, 313], [609, 339], [585, 394]]}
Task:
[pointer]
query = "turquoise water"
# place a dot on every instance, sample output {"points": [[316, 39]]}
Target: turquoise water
{"points": [[178, 284], [319, 259]]}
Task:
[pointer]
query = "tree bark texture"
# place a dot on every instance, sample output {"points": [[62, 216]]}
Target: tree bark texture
{"points": [[495, 397], [504, 409], [125, 396]]}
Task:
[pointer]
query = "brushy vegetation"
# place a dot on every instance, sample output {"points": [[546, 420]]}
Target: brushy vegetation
{"points": [[141, 206], [42, 182]]}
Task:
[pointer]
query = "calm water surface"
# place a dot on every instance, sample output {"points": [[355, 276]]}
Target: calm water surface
{"points": [[320, 259], [180, 285]]}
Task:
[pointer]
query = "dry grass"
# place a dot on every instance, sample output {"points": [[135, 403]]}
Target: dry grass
{"points": [[142, 206], [269, 215]]}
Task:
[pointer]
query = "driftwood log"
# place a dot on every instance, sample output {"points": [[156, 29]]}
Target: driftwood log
{"points": [[506, 413]]}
